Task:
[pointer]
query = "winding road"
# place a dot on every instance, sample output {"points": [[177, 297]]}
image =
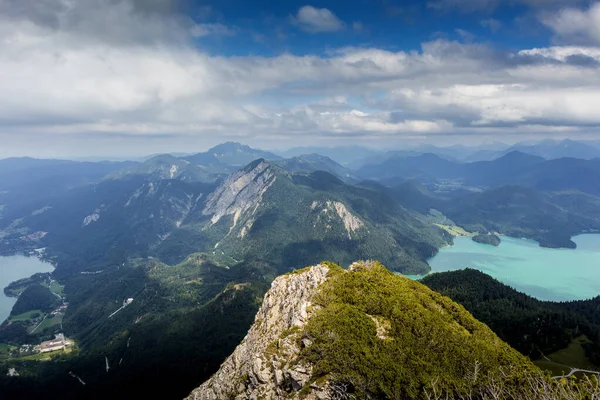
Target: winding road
{"points": [[574, 371]]}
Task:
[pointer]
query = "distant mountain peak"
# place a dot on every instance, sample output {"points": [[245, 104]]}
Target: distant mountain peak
{"points": [[519, 155], [230, 154], [229, 146]]}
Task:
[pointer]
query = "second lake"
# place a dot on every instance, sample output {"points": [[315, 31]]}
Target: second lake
{"points": [[546, 274]]}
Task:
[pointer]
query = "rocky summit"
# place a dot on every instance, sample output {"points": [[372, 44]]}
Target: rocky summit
{"points": [[324, 333]]}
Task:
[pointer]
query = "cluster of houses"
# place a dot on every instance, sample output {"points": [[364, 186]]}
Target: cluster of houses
{"points": [[60, 309], [58, 343]]}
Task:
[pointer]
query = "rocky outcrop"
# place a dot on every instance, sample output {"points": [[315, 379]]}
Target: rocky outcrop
{"points": [[330, 210], [241, 192], [265, 365]]}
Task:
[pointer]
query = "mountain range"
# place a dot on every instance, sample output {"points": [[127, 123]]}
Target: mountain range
{"points": [[514, 168], [196, 241]]}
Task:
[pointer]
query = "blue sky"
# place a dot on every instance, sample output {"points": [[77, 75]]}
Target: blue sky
{"points": [[265, 27], [133, 77]]}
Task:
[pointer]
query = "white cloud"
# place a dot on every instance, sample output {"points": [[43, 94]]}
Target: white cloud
{"points": [[202, 30], [494, 25], [315, 20], [563, 53], [514, 104], [575, 25]]}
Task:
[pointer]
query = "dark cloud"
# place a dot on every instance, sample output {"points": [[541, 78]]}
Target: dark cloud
{"points": [[118, 22]]}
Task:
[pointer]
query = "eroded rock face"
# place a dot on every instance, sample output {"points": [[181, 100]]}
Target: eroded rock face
{"points": [[265, 365], [334, 209], [241, 192]]}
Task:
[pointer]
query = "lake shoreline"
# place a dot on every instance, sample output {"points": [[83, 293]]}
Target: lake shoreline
{"points": [[14, 268], [548, 274]]}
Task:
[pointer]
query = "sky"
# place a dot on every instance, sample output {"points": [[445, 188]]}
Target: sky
{"points": [[134, 77]]}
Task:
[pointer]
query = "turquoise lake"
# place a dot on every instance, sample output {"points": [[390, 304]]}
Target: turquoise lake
{"points": [[14, 268], [546, 274]]}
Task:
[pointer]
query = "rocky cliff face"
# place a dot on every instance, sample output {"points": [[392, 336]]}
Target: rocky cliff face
{"points": [[265, 365], [241, 192]]}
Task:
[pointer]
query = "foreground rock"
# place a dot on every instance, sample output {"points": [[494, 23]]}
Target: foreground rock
{"points": [[327, 333], [263, 365]]}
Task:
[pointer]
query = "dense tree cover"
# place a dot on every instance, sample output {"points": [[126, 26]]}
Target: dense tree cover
{"points": [[183, 322], [487, 238], [385, 336], [531, 326], [294, 228], [15, 288], [35, 297]]}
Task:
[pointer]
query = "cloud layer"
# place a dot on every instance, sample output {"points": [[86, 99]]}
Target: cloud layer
{"points": [[64, 74], [576, 25]]}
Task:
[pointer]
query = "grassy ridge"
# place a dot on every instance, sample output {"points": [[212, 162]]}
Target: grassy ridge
{"points": [[385, 336]]}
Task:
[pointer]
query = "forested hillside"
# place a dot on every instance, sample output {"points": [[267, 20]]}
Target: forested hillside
{"points": [[533, 327]]}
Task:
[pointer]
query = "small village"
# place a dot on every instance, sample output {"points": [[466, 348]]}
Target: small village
{"points": [[37, 322]]}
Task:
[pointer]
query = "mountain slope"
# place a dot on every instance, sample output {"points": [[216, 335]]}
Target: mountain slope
{"points": [[317, 162], [324, 332], [551, 149], [167, 167], [92, 227], [25, 182], [266, 214]]}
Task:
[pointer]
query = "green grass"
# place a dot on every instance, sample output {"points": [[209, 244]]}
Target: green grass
{"points": [[6, 347], [455, 230], [385, 334], [26, 316], [563, 360], [57, 288], [49, 322]]}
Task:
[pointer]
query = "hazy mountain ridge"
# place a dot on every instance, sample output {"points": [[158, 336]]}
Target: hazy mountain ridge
{"points": [[316, 162], [230, 154], [168, 167], [514, 168]]}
